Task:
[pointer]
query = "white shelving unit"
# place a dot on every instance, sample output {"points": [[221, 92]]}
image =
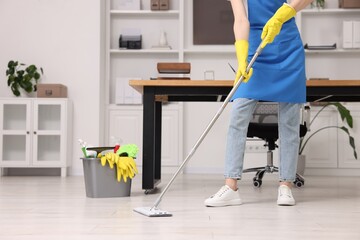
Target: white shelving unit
{"points": [[324, 27], [124, 121], [34, 133]]}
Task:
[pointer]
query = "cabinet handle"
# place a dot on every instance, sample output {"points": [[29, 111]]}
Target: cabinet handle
{"points": [[27, 132], [34, 132]]}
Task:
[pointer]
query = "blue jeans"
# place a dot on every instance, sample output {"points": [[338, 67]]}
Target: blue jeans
{"points": [[289, 122]]}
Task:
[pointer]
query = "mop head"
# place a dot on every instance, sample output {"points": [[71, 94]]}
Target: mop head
{"points": [[152, 212]]}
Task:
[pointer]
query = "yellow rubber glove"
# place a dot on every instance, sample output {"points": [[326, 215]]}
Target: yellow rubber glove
{"points": [[273, 26], [242, 49]]}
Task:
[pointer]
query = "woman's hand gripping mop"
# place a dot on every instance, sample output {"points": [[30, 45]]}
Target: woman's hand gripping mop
{"points": [[154, 211]]}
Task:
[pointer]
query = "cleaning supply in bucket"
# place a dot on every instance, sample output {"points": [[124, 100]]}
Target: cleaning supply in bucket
{"points": [[83, 147], [125, 164]]}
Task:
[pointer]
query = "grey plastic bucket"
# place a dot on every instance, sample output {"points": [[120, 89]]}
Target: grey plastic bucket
{"points": [[101, 182]]}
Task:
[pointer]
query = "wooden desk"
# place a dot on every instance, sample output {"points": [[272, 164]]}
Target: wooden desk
{"points": [[156, 91]]}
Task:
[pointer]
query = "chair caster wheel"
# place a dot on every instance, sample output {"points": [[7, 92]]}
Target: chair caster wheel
{"points": [[299, 183], [257, 182]]}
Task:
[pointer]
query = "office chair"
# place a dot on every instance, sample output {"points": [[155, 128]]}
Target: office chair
{"points": [[264, 125]]}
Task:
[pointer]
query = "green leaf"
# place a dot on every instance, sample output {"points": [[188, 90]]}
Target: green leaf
{"points": [[351, 140], [345, 129], [10, 80], [31, 69], [12, 64], [15, 89], [27, 78], [20, 73], [344, 113], [37, 76]]}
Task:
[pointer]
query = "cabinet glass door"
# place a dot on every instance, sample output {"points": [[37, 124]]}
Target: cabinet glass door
{"points": [[15, 132], [48, 133]]}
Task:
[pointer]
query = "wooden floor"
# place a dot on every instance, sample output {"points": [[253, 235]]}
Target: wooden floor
{"points": [[57, 208]]}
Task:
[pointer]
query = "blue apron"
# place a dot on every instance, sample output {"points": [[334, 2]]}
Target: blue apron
{"points": [[279, 72]]}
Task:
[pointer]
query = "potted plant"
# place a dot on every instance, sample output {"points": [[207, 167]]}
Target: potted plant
{"points": [[345, 116], [20, 76], [318, 4]]}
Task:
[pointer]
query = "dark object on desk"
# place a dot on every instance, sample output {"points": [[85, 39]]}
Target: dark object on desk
{"points": [[172, 78], [349, 3], [130, 42], [319, 78], [174, 68], [320, 47]]}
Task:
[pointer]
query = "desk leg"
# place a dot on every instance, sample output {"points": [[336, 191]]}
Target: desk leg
{"points": [[158, 124], [151, 140]]}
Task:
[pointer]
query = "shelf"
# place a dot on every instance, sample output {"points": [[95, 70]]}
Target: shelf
{"points": [[222, 49], [140, 51], [48, 132], [14, 132], [334, 51], [145, 13], [330, 10]]}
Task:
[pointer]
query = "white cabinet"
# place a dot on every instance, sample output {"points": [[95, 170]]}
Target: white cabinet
{"points": [[316, 155], [346, 156], [329, 148], [34, 133]]}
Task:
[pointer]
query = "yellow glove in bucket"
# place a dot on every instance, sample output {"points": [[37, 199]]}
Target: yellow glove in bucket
{"points": [[242, 49], [126, 167], [273, 27], [109, 157]]}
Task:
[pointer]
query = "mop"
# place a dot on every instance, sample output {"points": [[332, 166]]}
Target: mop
{"points": [[154, 211]]}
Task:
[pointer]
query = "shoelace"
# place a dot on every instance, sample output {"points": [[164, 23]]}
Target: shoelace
{"points": [[284, 191], [222, 190]]}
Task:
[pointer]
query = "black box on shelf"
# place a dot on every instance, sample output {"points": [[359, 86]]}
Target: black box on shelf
{"points": [[130, 42]]}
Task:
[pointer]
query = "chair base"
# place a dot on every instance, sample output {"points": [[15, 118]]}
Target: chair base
{"points": [[270, 168]]}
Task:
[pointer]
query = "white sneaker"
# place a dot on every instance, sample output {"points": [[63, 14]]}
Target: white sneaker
{"points": [[285, 197], [224, 197]]}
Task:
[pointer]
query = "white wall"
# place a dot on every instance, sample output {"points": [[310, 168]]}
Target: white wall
{"points": [[64, 38]]}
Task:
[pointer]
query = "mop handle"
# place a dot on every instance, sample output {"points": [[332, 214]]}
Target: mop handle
{"points": [[201, 138]]}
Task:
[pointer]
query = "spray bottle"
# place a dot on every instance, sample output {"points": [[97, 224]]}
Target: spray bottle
{"points": [[83, 147]]}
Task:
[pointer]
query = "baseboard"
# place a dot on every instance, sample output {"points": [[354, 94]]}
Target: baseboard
{"points": [[338, 172]]}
